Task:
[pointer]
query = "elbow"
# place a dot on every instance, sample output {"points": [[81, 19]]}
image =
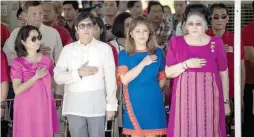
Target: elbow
{"points": [[125, 82]]}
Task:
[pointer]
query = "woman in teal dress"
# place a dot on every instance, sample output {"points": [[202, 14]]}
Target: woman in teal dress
{"points": [[141, 71]]}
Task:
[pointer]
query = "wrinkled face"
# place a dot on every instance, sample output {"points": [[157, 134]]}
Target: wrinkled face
{"points": [[195, 25], [156, 14], [69, 12], [49, 14], [110, 8], [137, 9], [34, 15], [219, 19], [85, 29], [140, 34], [33, 41]]}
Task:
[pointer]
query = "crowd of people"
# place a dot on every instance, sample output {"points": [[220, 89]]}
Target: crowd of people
{"points": [[116, 60]]}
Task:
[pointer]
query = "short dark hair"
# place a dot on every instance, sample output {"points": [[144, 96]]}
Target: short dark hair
{"points": [[117, 2], [130, 4], [153, 3], [23, 34], [166, 6], [101, 25], [73, 3], [218, 6], [91, 2], [20, 10], [28, 4], [84, 15], [118, 26], [199, 9]]}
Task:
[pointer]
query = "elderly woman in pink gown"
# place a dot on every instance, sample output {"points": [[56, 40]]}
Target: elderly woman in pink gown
{"points": [[31, 73], [198, 64]]}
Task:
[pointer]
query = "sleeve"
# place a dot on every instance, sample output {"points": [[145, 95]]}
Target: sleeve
{"points": [[16, 70], [242, 50], [110, 81], [171, 56], [5, 34], [122, 68], [5, 74], [221, 55], [247, 38], [162, 74], [58, 47], [61, 73]]}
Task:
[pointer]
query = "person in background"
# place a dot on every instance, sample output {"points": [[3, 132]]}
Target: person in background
{"points": [[5, 79], [100, 34], [141, 71], [50, 15], [110, 9], [87, 70], [135, 8], [20, 17], [122, 7], [97, 7], [220, 18], [31, 74], [167, 13], [198, 64], [248, 41], [70, 11], [161, 27], [178, 17], [5, 34], [51, 43]]}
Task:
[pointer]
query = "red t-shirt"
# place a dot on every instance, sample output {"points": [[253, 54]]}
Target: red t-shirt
{"points": [[5, 75], [5, 34], [248, 40], [228, 38], [64, 34]]}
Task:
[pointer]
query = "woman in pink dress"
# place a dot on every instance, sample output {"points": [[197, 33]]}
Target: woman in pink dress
{"points": [[31, 73], [198, 64]]}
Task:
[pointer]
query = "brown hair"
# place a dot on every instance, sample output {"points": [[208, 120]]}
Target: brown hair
{"points": [[130, 43], [28, 4]]}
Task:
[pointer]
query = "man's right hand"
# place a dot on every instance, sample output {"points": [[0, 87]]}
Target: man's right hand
{"points": [[87, 71]]}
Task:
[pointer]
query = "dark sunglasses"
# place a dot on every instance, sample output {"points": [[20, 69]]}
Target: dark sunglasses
{"points": [[217, 17], [108, 26], [97, 5], [83, 26], [39, 37]]}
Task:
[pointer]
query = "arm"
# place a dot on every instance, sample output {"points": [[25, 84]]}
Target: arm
{"points": [[249, 54], [225, 85], [162, 83], [20, 87], [174, 70], [4, 90], [110, 81], [58, 47], [132, 74], [61, 73]]}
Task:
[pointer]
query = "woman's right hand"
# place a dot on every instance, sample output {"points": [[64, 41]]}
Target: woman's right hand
{"points": [[195, 63], [149, 59], [41, 72]]}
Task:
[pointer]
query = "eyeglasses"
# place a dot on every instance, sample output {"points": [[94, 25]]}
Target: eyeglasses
{"points": [[97, 5], [217, 17], [191, 24], [39, 37], [83, 26]]}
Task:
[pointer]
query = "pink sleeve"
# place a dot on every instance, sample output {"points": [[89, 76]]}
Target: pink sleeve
{"points": [[221, 55], [171, 56], [16, 69], [51, 66]]}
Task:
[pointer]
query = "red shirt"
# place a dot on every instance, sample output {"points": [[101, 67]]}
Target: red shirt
{"points": [[5, 75], [5, 34], [64, 34], [248, 40], [228, 38]]}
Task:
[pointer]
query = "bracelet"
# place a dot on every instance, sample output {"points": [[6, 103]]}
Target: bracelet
{"points": [[183, 66], [186, 66], [226, 101]]}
